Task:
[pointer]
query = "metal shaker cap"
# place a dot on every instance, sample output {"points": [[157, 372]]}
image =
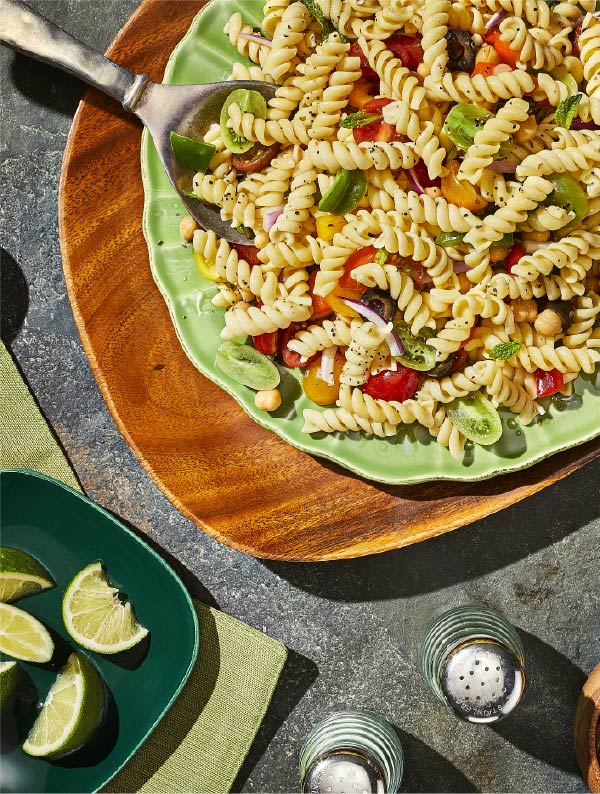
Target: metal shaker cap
{"points": [[482, 681], [344, 772]]}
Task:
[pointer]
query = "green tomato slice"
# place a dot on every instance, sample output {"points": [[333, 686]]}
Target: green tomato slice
{"points": [[564, 76], [476, 418], [247, 366], [418, 354], [345, 193], [569, 195], [463, 122], [194, 154], [249, 102]]}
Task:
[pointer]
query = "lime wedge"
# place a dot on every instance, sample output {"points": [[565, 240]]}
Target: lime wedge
{"points": [[24, 637], [71, 712], [94, 615], [9, 675], [21, 575]]}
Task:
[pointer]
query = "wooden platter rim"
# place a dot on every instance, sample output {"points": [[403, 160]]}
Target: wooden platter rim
{"points": [[391, 541]]}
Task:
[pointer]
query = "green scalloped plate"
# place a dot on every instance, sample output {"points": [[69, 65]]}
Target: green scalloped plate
{"points": [[205, 55], [66, 531]]}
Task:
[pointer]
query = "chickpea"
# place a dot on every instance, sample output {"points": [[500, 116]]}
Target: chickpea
{"points": [[187, 227], [527, 130], [548, 323], [537, 237], [269, 400], [498, 253], [524, 310]]}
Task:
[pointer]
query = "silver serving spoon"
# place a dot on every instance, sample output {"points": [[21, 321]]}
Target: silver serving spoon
{"points": [[185, 109]]}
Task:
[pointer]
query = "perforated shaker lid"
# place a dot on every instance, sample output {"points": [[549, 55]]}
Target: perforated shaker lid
{"points": [[344, 772], [482, 681]]}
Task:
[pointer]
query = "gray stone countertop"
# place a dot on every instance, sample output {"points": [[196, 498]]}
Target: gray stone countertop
{"points": [[352, 627]]}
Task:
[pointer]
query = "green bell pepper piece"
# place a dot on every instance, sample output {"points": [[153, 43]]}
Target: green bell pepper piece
{"points": [[194, 154], [347, 190]]}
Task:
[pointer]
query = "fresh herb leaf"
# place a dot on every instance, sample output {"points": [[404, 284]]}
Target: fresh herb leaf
{"points": [[359, 119], [552, 3], [326, 24], [504, 350], [245, 231], [381, 257], [566, 110]]}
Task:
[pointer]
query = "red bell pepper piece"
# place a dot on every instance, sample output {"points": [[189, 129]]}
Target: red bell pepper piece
{"points": [[548, 382], [517, 252]]}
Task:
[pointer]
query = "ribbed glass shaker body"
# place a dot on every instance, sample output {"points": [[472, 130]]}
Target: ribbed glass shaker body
{"points": [[473, 660], [353, 733]]}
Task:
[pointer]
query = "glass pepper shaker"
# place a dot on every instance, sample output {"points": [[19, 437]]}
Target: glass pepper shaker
{"points": [[473, 660], [354, 752]]}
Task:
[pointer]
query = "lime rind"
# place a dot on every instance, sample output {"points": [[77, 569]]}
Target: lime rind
{"points": [[71, 713], [9, 675], [23, 637], [21, 575], [95, 616]]}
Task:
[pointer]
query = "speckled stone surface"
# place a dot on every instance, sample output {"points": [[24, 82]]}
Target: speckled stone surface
{"points": [[353, 627]]}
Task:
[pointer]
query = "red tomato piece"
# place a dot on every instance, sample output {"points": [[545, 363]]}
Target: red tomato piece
{"points": [[420, 169], [361, 257], [267, 343], [363, 91], [378, 130], [407, 48], [367, 72], [549, 382], [320, 307], [516, 253], [576, 35], [247, 252], [484, 68], [256, 158], [396, 385], [290, 357]]}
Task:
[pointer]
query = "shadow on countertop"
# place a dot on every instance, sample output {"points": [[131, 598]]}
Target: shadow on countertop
{"points": [[464, 554], [425, 770]]}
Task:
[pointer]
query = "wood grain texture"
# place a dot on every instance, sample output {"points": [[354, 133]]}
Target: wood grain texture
{"points": [[241, 484], [587, 730]]}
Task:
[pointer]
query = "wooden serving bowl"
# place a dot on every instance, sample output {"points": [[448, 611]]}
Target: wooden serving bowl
{"points": [[587, 730], [238, 482]]}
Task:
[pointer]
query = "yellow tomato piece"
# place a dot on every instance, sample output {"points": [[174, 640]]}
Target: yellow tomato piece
{"points": [[459, 191], [333, 300], [328, 225], [206, 269], [318, 390]]}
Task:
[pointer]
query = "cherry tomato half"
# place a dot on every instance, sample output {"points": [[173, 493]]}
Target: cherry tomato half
{"points": [[548, 382], [484, 68], [290, 357], [396, 385], [367, 72], [256, 158], [317, 389], [363, 91], [247, 252], [420, 169], [407, 48], [378, 130], [516, 252], [361, 257], [459, 191], [267, 343]]}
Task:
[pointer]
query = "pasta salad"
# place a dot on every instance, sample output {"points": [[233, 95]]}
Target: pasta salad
{"points": [[422, 201]]}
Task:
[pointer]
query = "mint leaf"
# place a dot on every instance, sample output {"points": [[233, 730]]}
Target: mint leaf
{"points": [[504, 350], [381, 257], [359, 119], [566, 110], [326, 24]]}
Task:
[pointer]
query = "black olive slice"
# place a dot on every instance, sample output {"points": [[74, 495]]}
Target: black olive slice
{"points": [[461, 50]]}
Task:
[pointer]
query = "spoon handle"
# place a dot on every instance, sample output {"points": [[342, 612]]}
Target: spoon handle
{"points": [[23, 29]]}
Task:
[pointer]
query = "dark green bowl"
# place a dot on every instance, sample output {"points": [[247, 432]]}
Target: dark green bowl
{"points": [[66, 531]]}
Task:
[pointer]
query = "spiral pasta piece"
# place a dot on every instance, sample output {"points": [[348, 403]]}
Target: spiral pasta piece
{"points": [[365, 340], [358, 403], [338, 420], [435, 27], [287, 35], [500, 386], [487, 140], [585, 314], [400, 81], [589, 45], [335, 155], [559, 161], [462, 87]]}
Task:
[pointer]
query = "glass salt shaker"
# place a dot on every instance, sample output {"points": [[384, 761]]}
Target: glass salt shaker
{"points": [[473, 660], [354, 752]]}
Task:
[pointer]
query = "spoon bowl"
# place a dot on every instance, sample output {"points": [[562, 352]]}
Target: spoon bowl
{"points": [[185, 109]]}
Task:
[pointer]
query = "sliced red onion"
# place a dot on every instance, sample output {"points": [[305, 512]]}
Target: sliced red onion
{"points": [[578, 124], [272, 216], [327, 362], [392, 338], [496, 20], [255, 37], [460, 267], [413, 181], [503, 167]]}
